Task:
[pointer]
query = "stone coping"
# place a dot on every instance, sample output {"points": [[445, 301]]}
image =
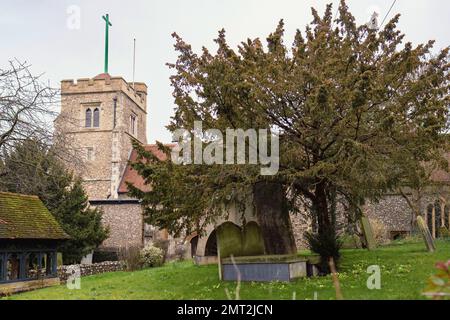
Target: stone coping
{"points": [[313, 259]]}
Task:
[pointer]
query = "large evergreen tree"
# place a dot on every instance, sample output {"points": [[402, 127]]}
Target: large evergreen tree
{"points": [[348, 102], [32, 168]]}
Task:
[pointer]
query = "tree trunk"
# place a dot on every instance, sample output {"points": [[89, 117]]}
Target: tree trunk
{"points": [[273, 217], [325, 242], [321, 205]]}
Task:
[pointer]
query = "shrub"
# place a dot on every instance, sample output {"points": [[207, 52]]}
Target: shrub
{"points": [[163, 245], [131, 256], [350, 241], [439, 284], [444, 232], [327, 245], [152, 256]]}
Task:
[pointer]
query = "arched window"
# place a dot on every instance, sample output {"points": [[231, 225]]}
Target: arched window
{"points": [[194, 243], [133, 124], [88, 122], [96, 118]]}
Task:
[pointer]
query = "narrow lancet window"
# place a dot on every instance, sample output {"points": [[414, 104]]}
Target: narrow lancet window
{"points": [[88, 118], [96, 118]]}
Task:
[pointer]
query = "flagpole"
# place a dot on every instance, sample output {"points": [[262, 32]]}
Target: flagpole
{"points": [[134, 59]]}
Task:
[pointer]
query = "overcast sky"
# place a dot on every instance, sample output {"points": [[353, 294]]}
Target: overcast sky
{"points": [[37, 31]]}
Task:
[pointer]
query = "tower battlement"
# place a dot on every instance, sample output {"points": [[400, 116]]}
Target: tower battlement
{"points": [[104, 83], [101, 116]]}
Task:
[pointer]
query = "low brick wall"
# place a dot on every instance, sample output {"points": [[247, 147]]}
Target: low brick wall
{"points": [[64, 272]]}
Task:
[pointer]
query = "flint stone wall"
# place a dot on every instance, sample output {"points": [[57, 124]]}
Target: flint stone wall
{"points": [[64, 272], [125, 223], [392, 211]]}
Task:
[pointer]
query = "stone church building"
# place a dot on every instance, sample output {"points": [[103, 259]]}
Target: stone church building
{"points": [[98, 118]]}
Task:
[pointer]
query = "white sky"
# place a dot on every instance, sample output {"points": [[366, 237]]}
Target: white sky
{"points": [[36, 31]]}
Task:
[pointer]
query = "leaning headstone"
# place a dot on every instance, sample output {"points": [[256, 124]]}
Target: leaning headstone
{"points": [[427, 237], [253, 242], [368, 233]]}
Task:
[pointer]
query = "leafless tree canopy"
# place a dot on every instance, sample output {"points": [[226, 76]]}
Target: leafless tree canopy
{"points": [[27, 106]]}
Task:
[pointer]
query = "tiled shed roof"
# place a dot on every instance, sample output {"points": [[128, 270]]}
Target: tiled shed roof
{"points": [[26, 217]]}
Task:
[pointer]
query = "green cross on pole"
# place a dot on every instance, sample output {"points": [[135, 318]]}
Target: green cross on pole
{"points": [[108, 24]]}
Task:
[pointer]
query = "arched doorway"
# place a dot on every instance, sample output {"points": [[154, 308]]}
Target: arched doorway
{"points": [[194, 243], [211, 244]]}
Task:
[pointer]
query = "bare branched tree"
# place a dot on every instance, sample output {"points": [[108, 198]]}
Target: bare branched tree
{"points": [[27, 106], [28, 110]]}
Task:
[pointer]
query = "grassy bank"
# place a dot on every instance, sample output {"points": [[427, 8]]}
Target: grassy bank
{"points": [[405, 268]]}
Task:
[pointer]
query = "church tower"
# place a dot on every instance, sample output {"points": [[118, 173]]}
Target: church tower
{"points": [[99, 118]]}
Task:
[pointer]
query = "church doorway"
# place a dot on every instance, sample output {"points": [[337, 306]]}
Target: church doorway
{"points": [[211, 244], [194, 243]]}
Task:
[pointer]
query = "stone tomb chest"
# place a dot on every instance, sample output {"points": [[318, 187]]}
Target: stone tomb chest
{"points": [[268, 268], [242, 257]]}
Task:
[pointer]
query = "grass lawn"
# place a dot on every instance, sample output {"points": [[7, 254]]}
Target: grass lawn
{"points": [[405, 268]]}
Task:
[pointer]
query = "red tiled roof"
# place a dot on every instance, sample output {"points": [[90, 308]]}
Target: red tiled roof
{"points": [[132, 176], [441, 175], [102, 76]]}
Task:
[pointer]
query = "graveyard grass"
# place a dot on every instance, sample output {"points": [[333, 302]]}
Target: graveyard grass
{"points": [[405, 268]]}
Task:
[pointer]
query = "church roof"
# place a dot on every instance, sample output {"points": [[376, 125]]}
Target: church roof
{"points": [[441, 175], [130, 175], [105, 76], [26, 217]]}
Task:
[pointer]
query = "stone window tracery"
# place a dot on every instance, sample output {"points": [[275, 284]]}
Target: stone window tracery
{"points": [[96, 118], [88, 118]]}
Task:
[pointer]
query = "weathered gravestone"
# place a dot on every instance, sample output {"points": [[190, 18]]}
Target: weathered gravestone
{"points": [[237, 242], [229, 240], [233, 240], [241, 253], [368, 233], [425, 234], [252, 242]]}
